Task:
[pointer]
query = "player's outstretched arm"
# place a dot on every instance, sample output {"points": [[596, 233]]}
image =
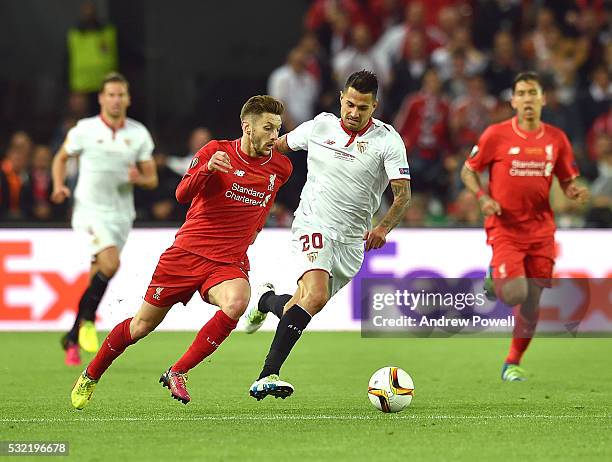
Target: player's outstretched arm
{"points": [[196, 177], [58, 172], [471, 180], [401, 200], [281, 145]]}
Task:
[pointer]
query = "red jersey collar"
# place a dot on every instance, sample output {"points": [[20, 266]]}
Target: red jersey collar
{"points": [[353, 133], [261, 160], [108, 124], [539, 133]]}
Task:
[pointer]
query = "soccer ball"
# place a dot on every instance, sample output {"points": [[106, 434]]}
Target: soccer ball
{"points": [[390, 389]]}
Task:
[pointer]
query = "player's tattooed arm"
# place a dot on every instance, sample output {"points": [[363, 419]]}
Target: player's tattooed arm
{"points": [[281, 145], [401, 200]]}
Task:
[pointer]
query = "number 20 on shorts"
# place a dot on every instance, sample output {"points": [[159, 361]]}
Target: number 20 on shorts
{"points": [[314, 241]]}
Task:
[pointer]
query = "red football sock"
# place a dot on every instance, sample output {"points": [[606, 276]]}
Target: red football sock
{"points": [[206, 342], [115, 344], [522, 334]]}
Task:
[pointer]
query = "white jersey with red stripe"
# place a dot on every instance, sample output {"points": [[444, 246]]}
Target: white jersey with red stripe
{"points": [[347, 174], [103, 190]]}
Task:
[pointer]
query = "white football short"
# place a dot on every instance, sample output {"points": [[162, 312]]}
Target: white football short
{"points": [[312, 250], [101, 234]]}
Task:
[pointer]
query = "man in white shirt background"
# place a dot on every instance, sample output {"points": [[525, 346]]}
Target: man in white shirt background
{"points": [[114, 155]]}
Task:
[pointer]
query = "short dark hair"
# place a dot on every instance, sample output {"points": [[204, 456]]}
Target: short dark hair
{"points": [[527, 76], [260, 104], [114, 77], [363, 81]]}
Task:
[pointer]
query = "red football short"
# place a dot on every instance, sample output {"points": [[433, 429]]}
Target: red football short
{"points": [[512, 259], [179, 274]]}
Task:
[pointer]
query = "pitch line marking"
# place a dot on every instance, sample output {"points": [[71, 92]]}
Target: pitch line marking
{"points": [[296, 417]]}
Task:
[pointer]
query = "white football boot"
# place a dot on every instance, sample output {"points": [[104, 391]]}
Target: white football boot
{"points": [[270, 385], [253, 318]]}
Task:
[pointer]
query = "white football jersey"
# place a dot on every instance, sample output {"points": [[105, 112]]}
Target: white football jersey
{"points": [[103, 190], [347, 174]]}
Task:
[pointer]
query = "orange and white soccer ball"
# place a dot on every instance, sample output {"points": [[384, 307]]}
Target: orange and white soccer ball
{"points": [[390, 389]]}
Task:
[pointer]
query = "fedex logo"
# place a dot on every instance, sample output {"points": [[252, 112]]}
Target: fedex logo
{"points": [[63, 293]]}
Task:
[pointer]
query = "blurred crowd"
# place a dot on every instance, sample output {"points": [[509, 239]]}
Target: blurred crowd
{"points": [[445, 69]]}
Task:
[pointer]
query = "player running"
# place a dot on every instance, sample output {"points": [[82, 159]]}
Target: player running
{"points": [[231, 186], [114, 155], [521, 155], [351, 161]]}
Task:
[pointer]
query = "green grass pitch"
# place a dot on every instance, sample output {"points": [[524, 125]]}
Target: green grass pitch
{"points": [[461, 411]]}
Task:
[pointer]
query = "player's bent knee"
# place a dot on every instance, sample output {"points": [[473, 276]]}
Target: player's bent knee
{"points": [[147, 319], [235, 307], [514, 291], [514, 296], [314, 301], [140, 328], [109, 268]]}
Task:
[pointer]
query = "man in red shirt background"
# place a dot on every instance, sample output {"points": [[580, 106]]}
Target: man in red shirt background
{"points": [[521, 155], [231, 186], [422, 122]]}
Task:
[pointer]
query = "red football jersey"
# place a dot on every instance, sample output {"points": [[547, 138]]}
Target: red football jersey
{"points": [[521, 165], [422, 122], [228, 209]]}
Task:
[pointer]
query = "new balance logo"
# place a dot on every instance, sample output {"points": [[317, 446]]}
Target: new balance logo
{"points": [[239, 173], [157, 294]]}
